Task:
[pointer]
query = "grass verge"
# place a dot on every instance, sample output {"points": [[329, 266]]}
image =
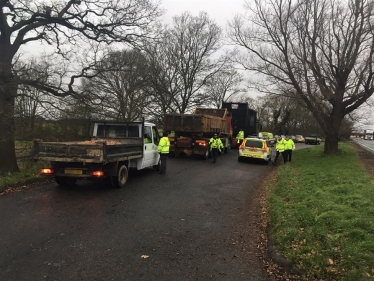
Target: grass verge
{"points": [[322, 214], [30, 173]]}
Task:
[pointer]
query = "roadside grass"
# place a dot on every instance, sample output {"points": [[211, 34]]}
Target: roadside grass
{"points": [[28, 175], [322, 214], [29, 170]]}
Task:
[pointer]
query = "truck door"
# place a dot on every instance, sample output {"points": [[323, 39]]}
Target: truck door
{"points": [[151, 138]]}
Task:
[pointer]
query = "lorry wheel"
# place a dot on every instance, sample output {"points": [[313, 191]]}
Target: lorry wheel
{"points": [[121, 178], [206, 154]]}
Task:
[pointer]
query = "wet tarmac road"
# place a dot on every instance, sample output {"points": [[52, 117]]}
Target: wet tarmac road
{"points": [[190, 224]]}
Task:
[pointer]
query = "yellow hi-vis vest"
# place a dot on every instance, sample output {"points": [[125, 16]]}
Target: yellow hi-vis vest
{"points": [[290, 145], [280, 145], [215, 143], [163, 146]]}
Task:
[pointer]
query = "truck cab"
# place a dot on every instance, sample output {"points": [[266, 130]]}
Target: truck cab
{"points": [[149, 135]]}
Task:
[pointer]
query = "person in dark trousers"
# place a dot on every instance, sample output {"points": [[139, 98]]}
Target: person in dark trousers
{"points": [[215, 146], [280, 146], [163, 149], [289, 146]]}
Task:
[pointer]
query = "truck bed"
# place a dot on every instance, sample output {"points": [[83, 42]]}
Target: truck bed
{"points": [[202, 121], [97, 150]]}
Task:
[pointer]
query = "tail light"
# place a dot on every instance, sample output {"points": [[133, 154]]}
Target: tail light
{"points": [[265, 148], [241, 147], [97, 173], [201, 142], [47, 171]]}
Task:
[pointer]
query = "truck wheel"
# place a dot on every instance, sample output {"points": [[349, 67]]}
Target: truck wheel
{"points": [[206, 154], [120, 180]]}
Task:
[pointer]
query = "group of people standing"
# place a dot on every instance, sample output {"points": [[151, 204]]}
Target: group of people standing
{"points": [[215, 145], [284, 147]]}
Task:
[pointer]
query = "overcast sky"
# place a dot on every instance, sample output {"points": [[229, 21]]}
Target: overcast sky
{"points": [[219, 10]]}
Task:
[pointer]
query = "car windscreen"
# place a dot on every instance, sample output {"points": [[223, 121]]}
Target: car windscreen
{"points": [[252, 143]]}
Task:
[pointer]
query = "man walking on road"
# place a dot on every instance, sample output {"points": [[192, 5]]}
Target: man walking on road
{"points": [[215, 146], [289, 146], [280, 146], [163, 149]]}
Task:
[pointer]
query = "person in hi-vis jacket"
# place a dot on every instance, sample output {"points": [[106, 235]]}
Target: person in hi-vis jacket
{"points": [[215, 146], [163, 149]]}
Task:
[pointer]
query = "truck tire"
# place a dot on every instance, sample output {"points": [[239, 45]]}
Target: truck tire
{"points": [[122, 175], [227, 148], [65, 181], [206, 154]]}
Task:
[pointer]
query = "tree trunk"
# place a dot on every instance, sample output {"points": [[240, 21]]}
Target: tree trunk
{"points": [[331, 144], [8, 161], [8, 90]]}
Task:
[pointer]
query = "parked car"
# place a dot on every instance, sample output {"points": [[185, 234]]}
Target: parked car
{"points": [[267, 136], [255, 148], [299, 138], [313, 139]]}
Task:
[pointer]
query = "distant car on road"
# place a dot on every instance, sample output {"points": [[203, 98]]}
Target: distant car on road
{"points": [[267, 136], [313, 139], [255, 148], [299, 138]]}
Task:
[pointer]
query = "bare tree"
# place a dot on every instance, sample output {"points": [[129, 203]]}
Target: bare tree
{"points": [[120, 88], [63, 24], [163, 77], [29, 103], [189, 46], [224, 85], [322, 50]]}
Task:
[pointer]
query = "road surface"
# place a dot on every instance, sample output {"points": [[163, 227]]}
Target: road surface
{"points": [[194, 223]]}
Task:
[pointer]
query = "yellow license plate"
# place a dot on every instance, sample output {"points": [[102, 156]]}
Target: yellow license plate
{"points": [[73, 172], [253, 155]]}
